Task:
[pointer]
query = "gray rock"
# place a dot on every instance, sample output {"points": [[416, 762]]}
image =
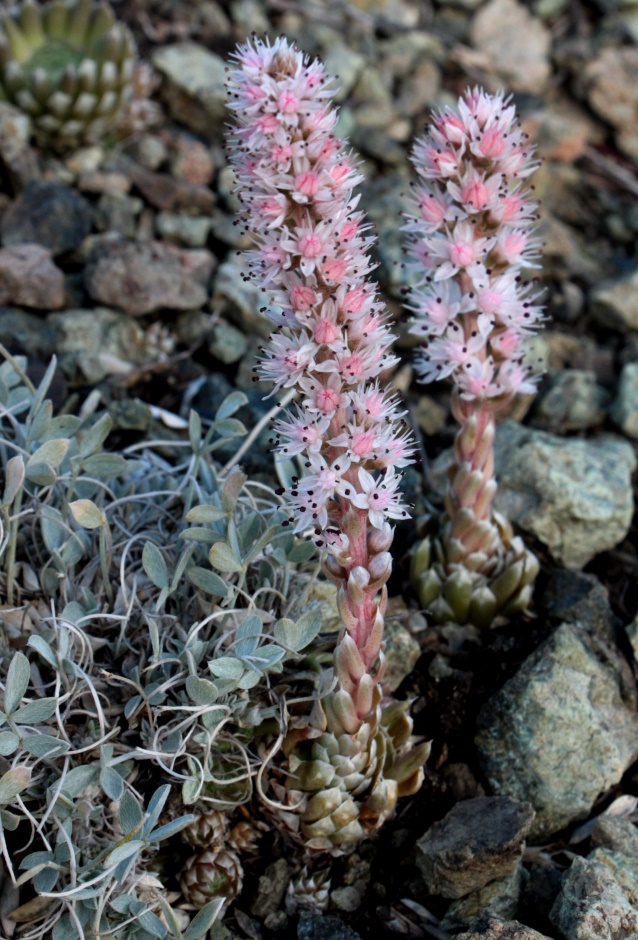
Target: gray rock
{"points": [[615, 303], [500, 897], [188, 230], [226, 343], [118, 214], [575, 597], [318, 926], [96, 343], [344, 62], [402, 653], [593, 906], [478, 841], [612, 92], [15, 153], [29, 278], [15, 132], [623, 867], [26, 333], [491, 927], [562, 731], [632, 632], [271, 888], [142, 277], [239, 300], [574, 495], [193, 85], [616, 833], [625, 408], [130, 414], [49, 214], [515, 44], [572, 401]]}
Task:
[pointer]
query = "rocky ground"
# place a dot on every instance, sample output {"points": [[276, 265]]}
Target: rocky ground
{"points": [[121, 259]]}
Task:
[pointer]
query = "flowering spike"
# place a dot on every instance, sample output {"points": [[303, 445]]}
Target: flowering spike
{"points": [[311, 254], [470, 235]]}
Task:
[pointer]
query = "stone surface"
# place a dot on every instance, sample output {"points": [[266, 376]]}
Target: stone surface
{"points": [[562, 731], [625, 408], [402, 653], [240, 301], [612, 91], [314, 925], [142, 277], [118, 214], [616, 833], [271, 888], [96, 343], [478, 841], [500, 897], [191, 231], [492, 927], [575, 597], [193, 85], [623, 867], [29, 278], [49, 214], [615, 303], [593, 906], [226, 343], [574, 495], [515, 44], [571, 401], [26, 333]]}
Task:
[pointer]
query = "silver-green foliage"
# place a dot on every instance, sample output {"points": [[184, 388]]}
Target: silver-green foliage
{"points": [[146, 612]]}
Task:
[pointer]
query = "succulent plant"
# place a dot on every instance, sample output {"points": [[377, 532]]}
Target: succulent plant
{"points": [[68, 65], [206, 831], [343, 787], [308, 891], [215, 873]]}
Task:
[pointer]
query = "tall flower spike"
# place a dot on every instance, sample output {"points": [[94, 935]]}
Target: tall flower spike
{"points": [[295, 181], [471, 236]]}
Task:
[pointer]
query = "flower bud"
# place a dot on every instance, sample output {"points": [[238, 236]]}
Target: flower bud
{"points": [[381, 539], [358, 580], [381, 566]]}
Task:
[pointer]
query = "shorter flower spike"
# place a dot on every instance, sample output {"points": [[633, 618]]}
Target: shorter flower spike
{"points": [[471, 238]]}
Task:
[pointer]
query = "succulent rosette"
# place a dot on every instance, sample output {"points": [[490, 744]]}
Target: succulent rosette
{"points": [[68, 65], [471, 240]]}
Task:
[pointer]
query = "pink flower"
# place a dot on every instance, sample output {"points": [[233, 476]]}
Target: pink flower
{"points": [[470, 234], [311, 257]]}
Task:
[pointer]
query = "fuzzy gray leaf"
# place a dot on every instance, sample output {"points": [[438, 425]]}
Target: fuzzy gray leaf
{"points": [[41, 745], [14, 478], [154, 565], [222, 556], [17, 682], [230, 405], [51, 453], [9, 742], [35, 712], [204, 920], [13, 782], [203, 514], [201, 691], [208, 581]]}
